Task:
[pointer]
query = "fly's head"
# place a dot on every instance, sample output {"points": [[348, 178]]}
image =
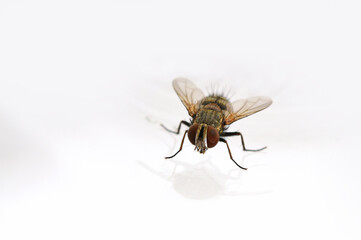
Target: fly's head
{"points": [[203, 136]]}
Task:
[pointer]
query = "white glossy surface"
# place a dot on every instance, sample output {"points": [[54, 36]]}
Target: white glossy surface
{"points": [[84, 86]]}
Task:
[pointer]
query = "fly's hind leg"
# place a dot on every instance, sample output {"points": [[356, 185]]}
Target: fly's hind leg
{"points": [[230, 134], [179, 127]]}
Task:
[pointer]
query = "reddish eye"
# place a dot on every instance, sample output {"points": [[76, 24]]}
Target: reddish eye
{"points": [[192, 133], [212, 137]]}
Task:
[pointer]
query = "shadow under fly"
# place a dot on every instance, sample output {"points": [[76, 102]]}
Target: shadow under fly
{"points": [[203, 180], [211, 116]]}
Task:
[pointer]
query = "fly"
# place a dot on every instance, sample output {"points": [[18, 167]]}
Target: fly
{"points": [[211, 115]]}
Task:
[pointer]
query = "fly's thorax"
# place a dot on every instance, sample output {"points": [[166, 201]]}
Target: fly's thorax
{"points": [[212, 111], [208, 123], [210, 115]]}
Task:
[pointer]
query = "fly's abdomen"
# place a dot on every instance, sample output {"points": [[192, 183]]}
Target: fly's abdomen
{"points": [[220, 101]]}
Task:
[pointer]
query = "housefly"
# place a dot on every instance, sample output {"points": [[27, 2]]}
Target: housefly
{"points": [[211, 115]]}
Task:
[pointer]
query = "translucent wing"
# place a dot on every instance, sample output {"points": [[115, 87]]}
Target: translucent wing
{"points": [[189, 94], [245, 107]]}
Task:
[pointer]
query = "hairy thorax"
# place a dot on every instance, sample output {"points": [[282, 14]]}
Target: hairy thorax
{"points": [[211, 112]]}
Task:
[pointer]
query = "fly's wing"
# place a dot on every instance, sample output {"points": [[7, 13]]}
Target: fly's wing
{"points": [[245, 107], [189, 94]]}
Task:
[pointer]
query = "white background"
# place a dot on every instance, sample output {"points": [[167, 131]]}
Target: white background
{"points": [[85, 84]]}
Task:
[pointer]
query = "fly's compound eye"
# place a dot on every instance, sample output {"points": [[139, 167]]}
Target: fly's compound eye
{"points": [[192, 133], [212, 137]]}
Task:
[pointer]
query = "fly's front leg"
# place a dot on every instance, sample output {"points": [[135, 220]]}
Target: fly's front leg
{"points": [[230, 154], [179, 127], [181, 146], [230, 134]]}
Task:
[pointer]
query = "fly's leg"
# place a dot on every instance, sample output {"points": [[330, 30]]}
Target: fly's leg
{"points": [[180, 124], [230, 134], [230, 154], [180, 149]]}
